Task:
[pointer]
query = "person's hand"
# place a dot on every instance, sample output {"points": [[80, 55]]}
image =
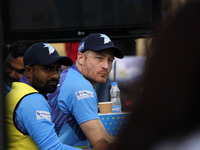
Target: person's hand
{"points": [[102, 144]]}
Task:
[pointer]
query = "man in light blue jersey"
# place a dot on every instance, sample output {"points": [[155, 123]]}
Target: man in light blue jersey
{"points": [[28, 115], [74, 104]]}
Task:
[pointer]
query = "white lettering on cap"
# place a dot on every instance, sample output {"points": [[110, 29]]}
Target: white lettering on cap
{"points": [[81, 46], [50, 48], [106, 38]]}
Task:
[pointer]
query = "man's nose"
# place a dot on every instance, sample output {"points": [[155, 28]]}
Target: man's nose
{"points": [[55, 73], [15, 74], [105, 64]]}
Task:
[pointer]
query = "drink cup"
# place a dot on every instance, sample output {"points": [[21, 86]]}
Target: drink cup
{"points": [[105, 107]]}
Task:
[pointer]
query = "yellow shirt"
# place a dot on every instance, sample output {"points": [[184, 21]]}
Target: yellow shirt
{"points": [[16, 140]]}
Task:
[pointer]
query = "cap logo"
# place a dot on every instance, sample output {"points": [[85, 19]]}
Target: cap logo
{"points": [[50, 48], [81, 46], [106, 38]]}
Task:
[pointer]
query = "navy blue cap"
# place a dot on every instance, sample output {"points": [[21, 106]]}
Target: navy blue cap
{"points": [[44, 54], [98, 42]]}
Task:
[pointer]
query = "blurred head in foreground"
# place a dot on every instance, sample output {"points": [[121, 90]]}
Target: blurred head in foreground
{"points": [[168, 110]]}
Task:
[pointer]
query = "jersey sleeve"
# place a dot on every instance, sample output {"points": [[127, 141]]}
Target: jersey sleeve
{"points": [[79, 100], [34, 114]]}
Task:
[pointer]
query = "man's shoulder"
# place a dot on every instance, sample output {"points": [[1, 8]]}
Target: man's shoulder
{"points": [[34, 96], [20, 90], [34, 99], [75, 78]]}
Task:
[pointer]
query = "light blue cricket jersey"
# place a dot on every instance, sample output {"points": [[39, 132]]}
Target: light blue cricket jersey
{"points": [[33, 117], [73, 103]]}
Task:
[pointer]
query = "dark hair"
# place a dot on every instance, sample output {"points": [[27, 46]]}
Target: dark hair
{"points": [[170, 102], [17, 49]]}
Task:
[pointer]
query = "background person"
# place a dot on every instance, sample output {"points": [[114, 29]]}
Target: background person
{"points": [[74, 104], [28, 116], [14, 65], [166, 117]]}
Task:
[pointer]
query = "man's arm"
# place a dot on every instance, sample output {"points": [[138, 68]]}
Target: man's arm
{"points": [[94, 131], [34, 114]]}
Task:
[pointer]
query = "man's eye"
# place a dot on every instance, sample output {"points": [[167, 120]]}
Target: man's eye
{"points": [[58, 69], [21, 71], [48, 68], [8, 66], [110, 60], [100, 58]]}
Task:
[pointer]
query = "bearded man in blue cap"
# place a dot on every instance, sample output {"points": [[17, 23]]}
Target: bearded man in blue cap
{"points": [[74, 104], [28, 115]]}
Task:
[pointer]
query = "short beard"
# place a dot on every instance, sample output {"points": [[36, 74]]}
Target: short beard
{"points": [[36, 83], [46, 88]]}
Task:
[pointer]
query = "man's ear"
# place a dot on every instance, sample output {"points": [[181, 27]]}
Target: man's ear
{"points": [[28, 72], [80, 57]]}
